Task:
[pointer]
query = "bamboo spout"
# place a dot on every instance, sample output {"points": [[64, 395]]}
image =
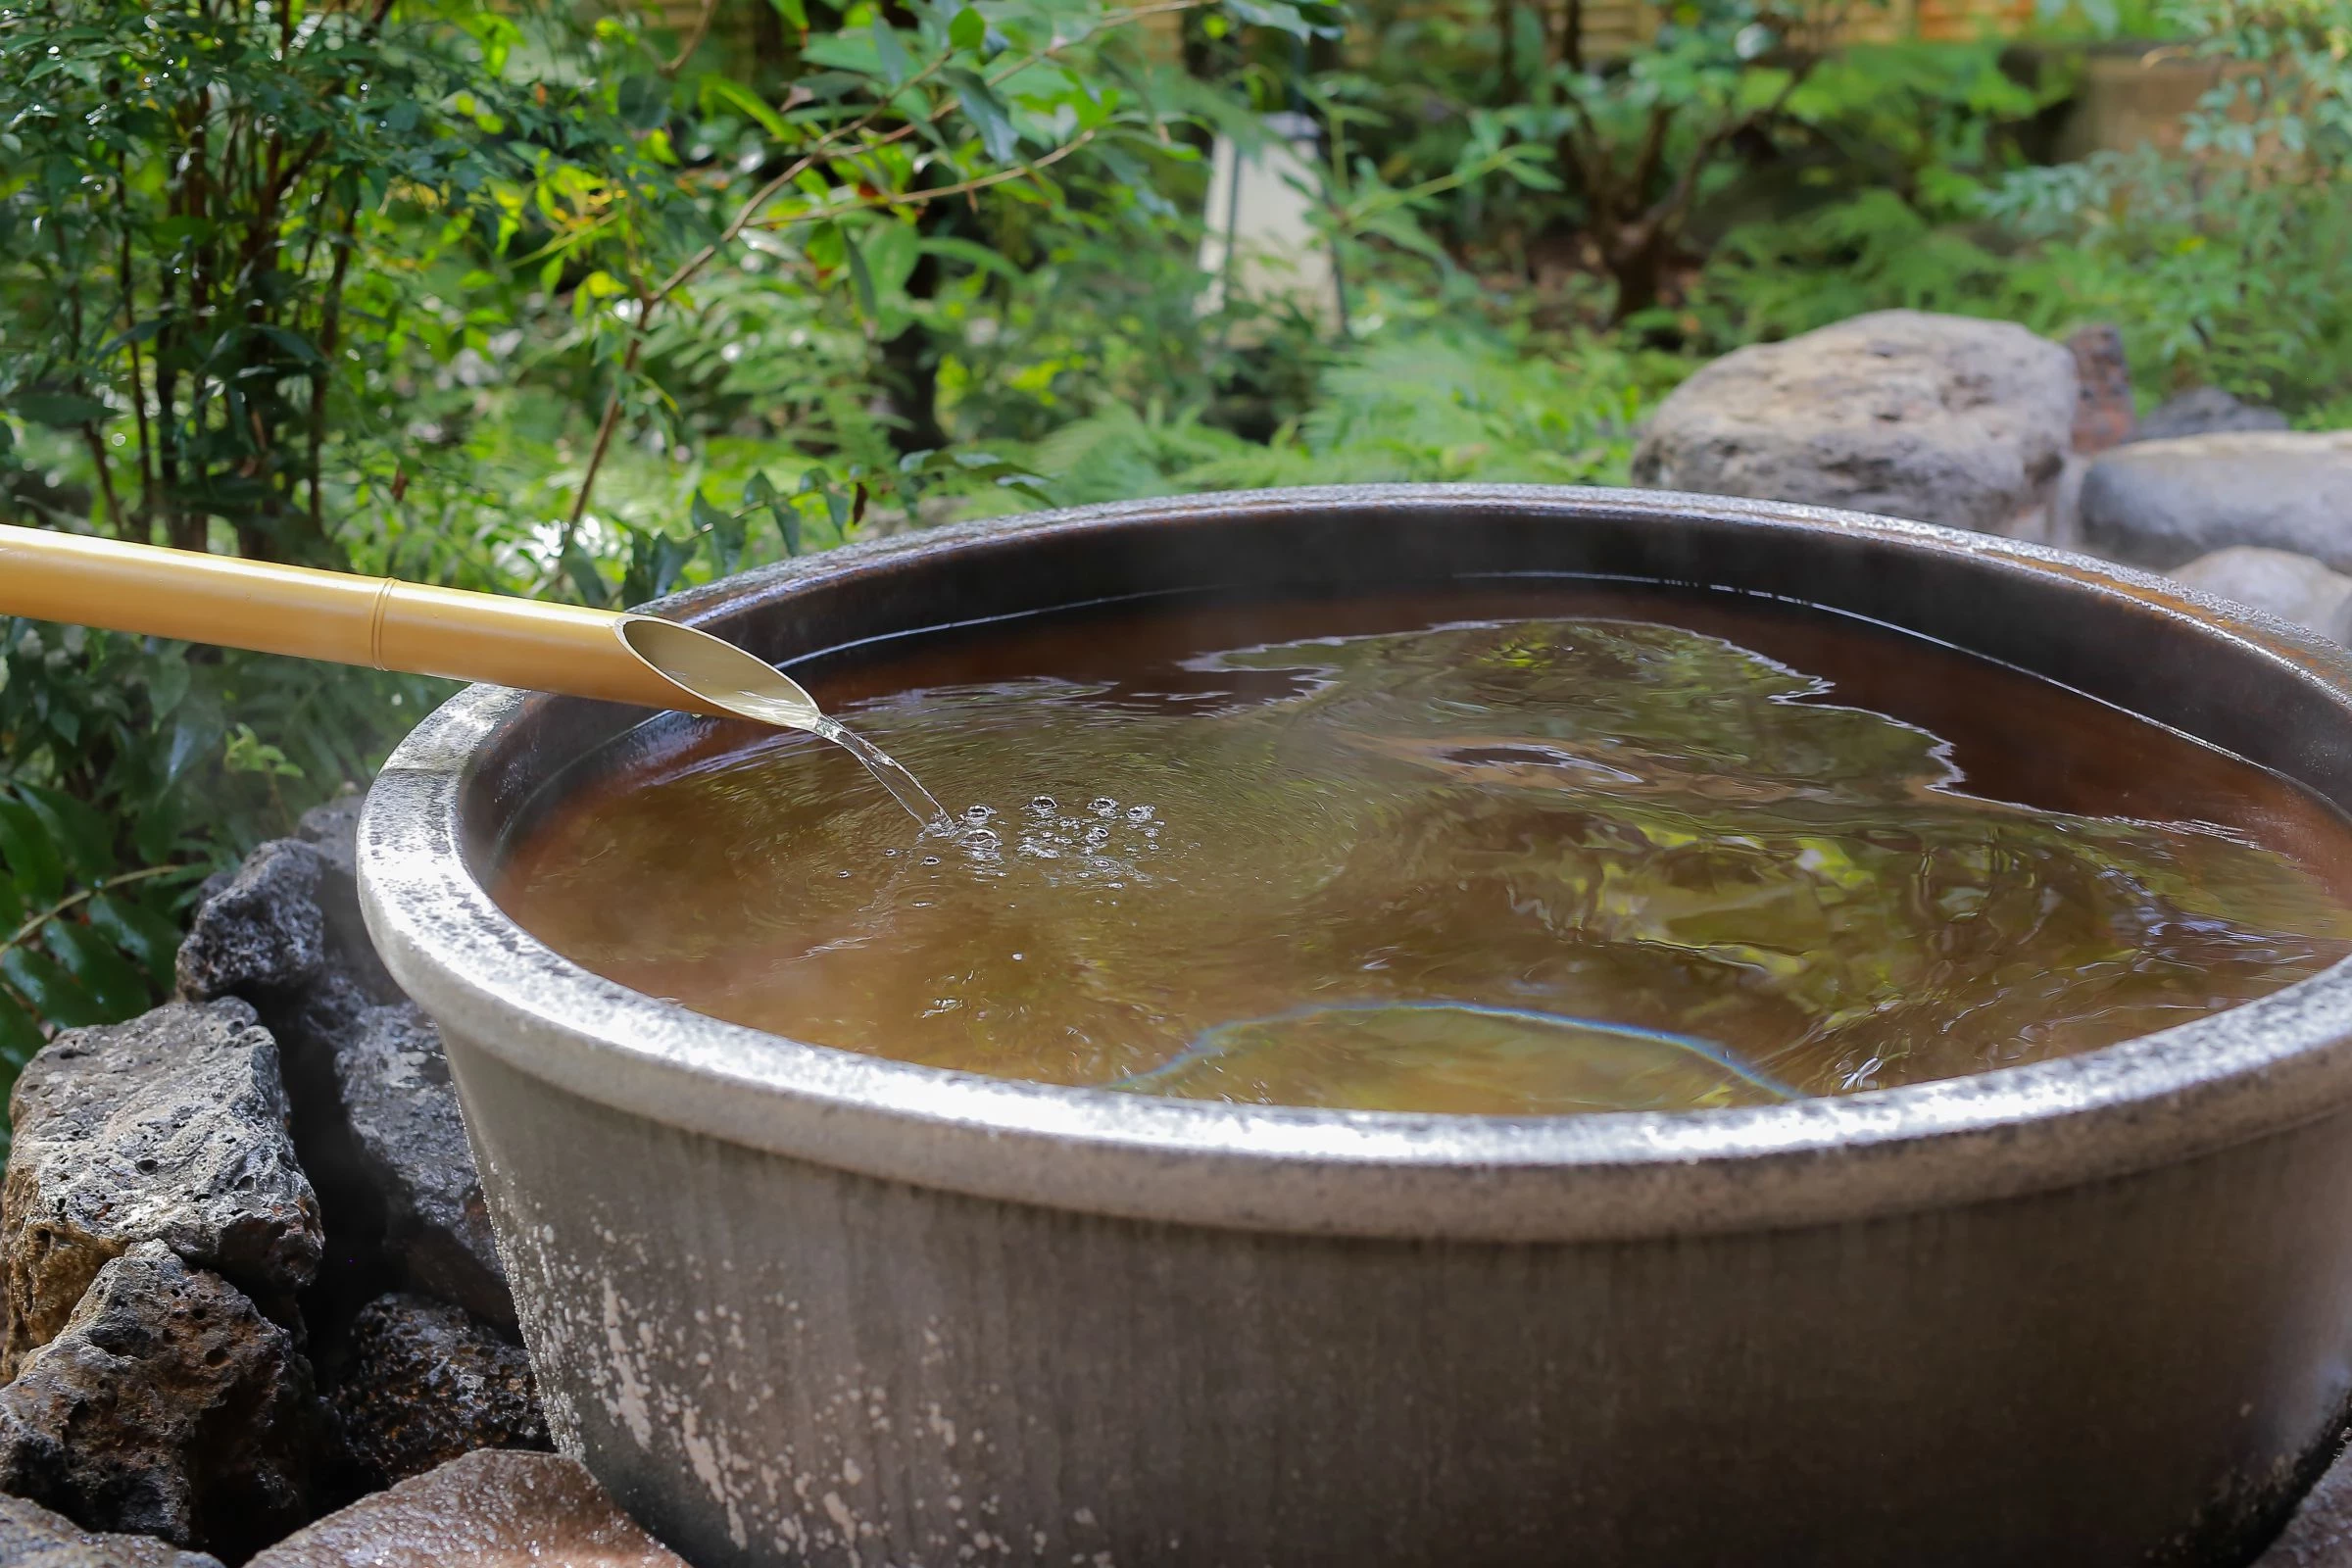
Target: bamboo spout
{"points": [[382, 622]]}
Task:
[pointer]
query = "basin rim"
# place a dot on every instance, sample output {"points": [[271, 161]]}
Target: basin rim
{"points": [[2249, 1071]]}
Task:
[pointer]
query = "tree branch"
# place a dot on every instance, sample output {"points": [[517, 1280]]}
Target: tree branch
{"points": [[694, 39]]}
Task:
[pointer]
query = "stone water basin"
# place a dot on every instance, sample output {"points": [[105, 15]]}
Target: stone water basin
{"points": [[793, 1304]]}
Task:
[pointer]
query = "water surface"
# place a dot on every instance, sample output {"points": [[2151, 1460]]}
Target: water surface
{"points": [[1518, 850]]}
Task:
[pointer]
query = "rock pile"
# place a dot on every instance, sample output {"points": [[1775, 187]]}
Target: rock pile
{"points": [[1982, 425], [247, 1269]]}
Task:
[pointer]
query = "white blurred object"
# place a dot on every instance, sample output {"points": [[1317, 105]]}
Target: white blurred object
{"points": [[1262, 243]]}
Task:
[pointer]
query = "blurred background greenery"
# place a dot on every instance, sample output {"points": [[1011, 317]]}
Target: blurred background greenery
{"points": [[570, 299]]}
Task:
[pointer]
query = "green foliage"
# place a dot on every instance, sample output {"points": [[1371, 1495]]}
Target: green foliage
{"points": [[1639, 144], [547, 300], [2221, 262], [335, 283], [1423, 405], [201, 205], [125, 782]]}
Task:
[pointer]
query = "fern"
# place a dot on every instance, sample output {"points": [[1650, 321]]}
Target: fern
{"points": [[1424, 404]]}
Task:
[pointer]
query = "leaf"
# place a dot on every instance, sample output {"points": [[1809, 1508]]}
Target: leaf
{"points": [[301, 350], [140, 333], [859, 278], [979, 257], [40, 980], [61, 410], [892, 252], [1290, 19], [725, 531], [585, 579], [146, 936], [102, 973], [20, 1036], [197, 728], [656, 561], [787, 513], [643, 101], [167, 684], [32, 862], [891, 54], [967, 29], [750, 104], [85, 838], [987, 114], [792, 12]]}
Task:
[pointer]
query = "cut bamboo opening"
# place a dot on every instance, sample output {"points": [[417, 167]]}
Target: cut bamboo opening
{"points": [[384, 624]]}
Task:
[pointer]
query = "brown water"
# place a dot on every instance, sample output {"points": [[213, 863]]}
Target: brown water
{"points": [[1521, 850]]}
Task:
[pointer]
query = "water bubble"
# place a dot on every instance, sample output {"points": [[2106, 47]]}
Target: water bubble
{"points": [[1138, 813], [981, 839], [841, 872], [930, 859], [978, 815], [1102, 806], [1097, 835], [1043, 806]]}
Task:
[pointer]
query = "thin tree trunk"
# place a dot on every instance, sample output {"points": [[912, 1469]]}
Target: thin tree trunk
{"points": [[1506, 52], [331, 327]]}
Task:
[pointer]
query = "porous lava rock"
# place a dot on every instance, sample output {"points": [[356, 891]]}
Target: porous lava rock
{"points": [[396, 1136], [2320, 1534], [1936, 418], [490, 1509], [334, 831], [167, 1406], [2289, 586], [376, 1119], [2205, 411], [171, 1128], [263, 932], [422, 1384], [31, 1536], [2162, 504]]}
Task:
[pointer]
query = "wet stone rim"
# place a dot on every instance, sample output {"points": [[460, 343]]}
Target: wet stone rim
{"points": [[2254, 1069]]}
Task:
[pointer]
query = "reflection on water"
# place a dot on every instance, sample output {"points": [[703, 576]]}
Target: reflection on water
{"points": [[1455, 857]]}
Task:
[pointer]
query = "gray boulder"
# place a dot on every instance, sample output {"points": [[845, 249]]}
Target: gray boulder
{"points": [[2289, 586], [487, 1508], [422, 1384], [170, 1128], [1937, 418], [31, 1536], [167, 1406], [2205, 411], [2164, 503]]}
